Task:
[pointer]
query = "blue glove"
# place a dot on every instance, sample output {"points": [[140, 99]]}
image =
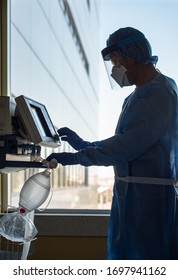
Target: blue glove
{"points": [[72, 138], [64, 158]]}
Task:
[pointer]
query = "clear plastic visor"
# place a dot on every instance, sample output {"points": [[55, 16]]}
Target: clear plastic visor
{"points": [[108, 54], [109, 64]]}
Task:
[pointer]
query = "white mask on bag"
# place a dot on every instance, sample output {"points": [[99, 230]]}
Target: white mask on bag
{"points": [[119, 75]]}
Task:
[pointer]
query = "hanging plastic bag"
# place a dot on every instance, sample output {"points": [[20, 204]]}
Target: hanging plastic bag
{"points": [[17, 227]]}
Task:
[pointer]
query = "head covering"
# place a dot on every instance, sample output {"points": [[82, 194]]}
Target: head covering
{"points": [[132, 43]]}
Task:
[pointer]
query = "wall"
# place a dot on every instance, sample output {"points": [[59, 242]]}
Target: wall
{"points": [[69, 248], [70, 236]]}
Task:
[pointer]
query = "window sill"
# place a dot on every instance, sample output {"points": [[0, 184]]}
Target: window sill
{"points": [[55, 222]]}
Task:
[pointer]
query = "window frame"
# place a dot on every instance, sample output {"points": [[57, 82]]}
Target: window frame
{"points": [[4, 84], [51, 222]]}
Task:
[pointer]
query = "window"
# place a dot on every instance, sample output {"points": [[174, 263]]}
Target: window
{"points": [[72, 26], [88, 3], [48, 67]]}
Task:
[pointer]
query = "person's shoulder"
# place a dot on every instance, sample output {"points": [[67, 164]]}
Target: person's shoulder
{"points": [[168, 82], [159, 85]]}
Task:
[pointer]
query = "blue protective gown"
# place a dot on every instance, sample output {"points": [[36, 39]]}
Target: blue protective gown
{"points": [[144, 217]]}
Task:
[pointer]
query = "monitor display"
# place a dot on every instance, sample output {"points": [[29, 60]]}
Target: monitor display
{"points": [[36, 122]]}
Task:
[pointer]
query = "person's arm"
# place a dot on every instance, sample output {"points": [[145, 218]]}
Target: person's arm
{"points": [[147, 123]]}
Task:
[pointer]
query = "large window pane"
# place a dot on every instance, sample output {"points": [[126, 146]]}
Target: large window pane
{"points": [[54, 62]]}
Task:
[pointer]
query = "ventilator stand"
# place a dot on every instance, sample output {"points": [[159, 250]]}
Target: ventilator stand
{"points": [[13, 158]]}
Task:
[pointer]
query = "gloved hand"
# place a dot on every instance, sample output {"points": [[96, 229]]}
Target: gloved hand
{"points": [[72, 138], [64, 158]]}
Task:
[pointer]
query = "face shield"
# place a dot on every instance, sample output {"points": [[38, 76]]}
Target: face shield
{"points": [[135, 46], [116, 72], [109, 69], [106, 54]]}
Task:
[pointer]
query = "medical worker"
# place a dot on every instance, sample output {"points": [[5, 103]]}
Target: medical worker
{"points": [[144, 214]]}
